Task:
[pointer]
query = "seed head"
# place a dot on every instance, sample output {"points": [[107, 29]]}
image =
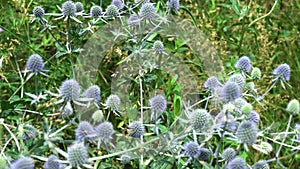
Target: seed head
{"points": [[79, 6], [158, 47], [293, 107], [283, 72], [112, 10], [105, 130], [204, 154], [199, 118], [23, 163], [228, 154], [35, 63], [239, 79], [192, 149], [237, 163], [97, 116], [147, 11], [52, 162], [113, 102], [244, 64], [85, 131], [77, 155], [136, 129], [38, 12], [158, 104], [93, 92], [247, 132], [70, 90], [118, 3], [68, 8], [261, 165], [95, 11], [231, 91], [255, 73], [212, 83]]}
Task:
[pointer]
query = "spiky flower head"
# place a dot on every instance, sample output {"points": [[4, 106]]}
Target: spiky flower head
{"points": [[52, 162], [23, 163], [85, 131], [105, 130], [158, 104], [204, 154], [253, 116], [212, 83], [158, 47], [237, 163], [228, 154], [118, 3], [247, 132], [93, 92], [293, 107], [199, 118], [244, 64], [192, 149], [247, 108], [250, 86], [68, 8], [125, 159], [97, 116], [255, 73], [3, 164], [282, 72], [174, 4], [239, 103], [79, 6], [96, 11], [261, 165], [112, 10], [231, 91], [239, 79], [136, 129], [35, 63], [38, 12], [147, 11], [70, 90], [228, 120], [134, 20], [77, 154], [113, 102], [29, 132]]}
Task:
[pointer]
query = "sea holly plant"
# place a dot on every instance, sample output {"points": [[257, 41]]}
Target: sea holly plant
{"points": [[146, 119]]}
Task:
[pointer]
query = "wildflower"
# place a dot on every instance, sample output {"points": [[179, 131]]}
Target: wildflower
{"points": [[70, 90], [85, 131], [204, 154], [93, 92], [173, 4], [247, 132], [77, 155], [113, 102], [293, 107], [158, 47], [255, 73], [229, 120], [237, 163], [112, 10], [228, 154], [38, 12], [239, 79], [134, 20], [282, 72], [239, 103], [23, 163], [118, 3], [147, 11], [231, 91], [212, 83], [253, 116], [261, 165], [199, 118], [79, 7], [104, 131], [192, 149], [35, 64], [244, 64], [136, 129], [68, 8], [52, 162], [158, 104], [97, 116], [125, 159], [95, 11], [247, 108]]}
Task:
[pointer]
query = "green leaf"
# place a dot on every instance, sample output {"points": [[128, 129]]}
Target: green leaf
{"points": [[177, 105]]}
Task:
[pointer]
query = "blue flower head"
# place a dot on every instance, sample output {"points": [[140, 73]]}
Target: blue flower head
{"points": [[244, 64], [282, 72]]}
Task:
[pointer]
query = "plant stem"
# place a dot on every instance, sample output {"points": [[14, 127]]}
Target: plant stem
{"points": [[287, 129], [142, 117], [36, 83]]}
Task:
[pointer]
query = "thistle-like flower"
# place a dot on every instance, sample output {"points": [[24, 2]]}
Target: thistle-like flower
{"points": [[38, 12], [97, 116], [255, 73], [282, 72], [239, 103], [247, 132], [173, 4], [52, 162], [192, 149], [231, 91], [247, 108], [158, 47], [134, 20], [228, 154], [261, 165], [136, 129], [68, 8], [35, 64], [79, 7], [204, 154], [211, 83], [158, 104], [23, 163], [96, 11], [29, 132], [113, 102], [112, 10], [244, 64], [70, 90], [118, 3], [199, 118], [85, 131], [293, 107], [125, 159], [253, 116], [147, 11], [237, 163], [77, 155], [93, 92], [104, 131], [239, 79]]}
